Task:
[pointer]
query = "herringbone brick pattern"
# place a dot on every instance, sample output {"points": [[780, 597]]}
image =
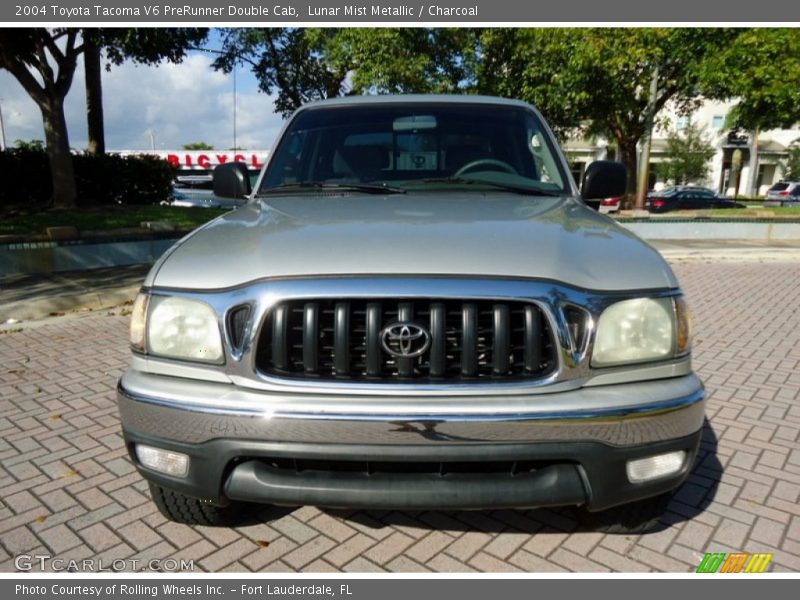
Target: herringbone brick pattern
{"points": [[70, 492]]}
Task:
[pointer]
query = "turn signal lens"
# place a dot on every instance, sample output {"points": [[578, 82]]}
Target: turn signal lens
{"points": [[684, 326], [138, 321]]}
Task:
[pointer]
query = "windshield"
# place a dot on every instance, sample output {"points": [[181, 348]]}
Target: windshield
{"points": [[420, 146]]}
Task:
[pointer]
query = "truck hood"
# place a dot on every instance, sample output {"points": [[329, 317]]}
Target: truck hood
{"points": [[470, 234]]}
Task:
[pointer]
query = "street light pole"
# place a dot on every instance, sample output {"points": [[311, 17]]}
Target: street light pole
{"points": [[234, 106], [644, 159]]}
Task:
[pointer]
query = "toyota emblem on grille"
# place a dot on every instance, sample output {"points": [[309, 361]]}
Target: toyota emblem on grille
{"points": [[405, 340]]}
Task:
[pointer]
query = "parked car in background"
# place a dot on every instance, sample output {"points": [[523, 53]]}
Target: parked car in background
{"points": [[783, 193], [609, 205], [198, 191], [687, 198]]}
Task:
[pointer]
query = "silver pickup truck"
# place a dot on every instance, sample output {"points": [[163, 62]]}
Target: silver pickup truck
{"points": [[416, 309]]}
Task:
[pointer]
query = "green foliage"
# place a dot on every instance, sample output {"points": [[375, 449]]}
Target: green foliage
{"points": [[34, 145], [105, 218], [291, 62], [148, 45], [302, 65], [688, 155], [197, 146], [597, 79], [791, 166], [761, 69], [408, 60], [104, 179]]}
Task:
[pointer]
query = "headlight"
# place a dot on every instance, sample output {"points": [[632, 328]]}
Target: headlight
{"points": [[640, 330], [182, 328]]}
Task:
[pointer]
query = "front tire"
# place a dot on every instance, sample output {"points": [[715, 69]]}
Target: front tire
{"points": [[184, 509]]}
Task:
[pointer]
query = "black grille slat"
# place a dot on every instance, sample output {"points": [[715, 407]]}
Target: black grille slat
{"points": [[438, 352], [374, 352], [280, 330], [405, 314], [311, 337], [471, 341], [533, 332], [502, 339], [341, 339]]}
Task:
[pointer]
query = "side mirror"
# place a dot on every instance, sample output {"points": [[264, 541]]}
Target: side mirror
{"points": [[603, 179], [231, 180]]}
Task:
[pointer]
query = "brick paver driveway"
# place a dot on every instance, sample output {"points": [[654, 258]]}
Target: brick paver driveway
{"points": [[69, 490]]}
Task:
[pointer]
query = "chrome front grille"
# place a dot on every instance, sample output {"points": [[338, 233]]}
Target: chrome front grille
{"points": [[360, 339]]}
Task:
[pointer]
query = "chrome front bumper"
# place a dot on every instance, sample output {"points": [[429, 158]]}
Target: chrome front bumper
{"points": [[193, 412]]}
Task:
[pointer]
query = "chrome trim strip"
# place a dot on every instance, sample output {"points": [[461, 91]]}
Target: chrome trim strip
{"points": [[662, 407]]}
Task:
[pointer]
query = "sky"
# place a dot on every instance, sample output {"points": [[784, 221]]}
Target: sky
{"points": [[179, 104]]}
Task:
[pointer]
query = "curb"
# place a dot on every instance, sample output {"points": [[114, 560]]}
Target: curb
{"points": [[48, 306]]}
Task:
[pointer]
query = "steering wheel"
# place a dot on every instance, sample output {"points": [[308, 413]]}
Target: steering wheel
{"points": [[486, 162]]}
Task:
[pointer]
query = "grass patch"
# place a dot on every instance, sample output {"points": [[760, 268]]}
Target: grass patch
{"points": [[105, 218], [778, 211]]}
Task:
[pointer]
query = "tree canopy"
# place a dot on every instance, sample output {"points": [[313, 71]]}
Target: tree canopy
{"points": [[688, 154], [596, 81], [791, 166], [197, 146], [761, 71], [302, 65]]}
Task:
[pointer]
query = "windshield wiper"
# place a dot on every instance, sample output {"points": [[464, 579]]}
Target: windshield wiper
{"points": [[521, 189], [367, 188]]}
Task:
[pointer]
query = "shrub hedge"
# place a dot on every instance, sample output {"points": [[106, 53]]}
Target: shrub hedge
{"points": [[100, 180]]}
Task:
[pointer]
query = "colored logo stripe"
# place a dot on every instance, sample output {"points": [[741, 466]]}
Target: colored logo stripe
{"points": [[736, 562]]}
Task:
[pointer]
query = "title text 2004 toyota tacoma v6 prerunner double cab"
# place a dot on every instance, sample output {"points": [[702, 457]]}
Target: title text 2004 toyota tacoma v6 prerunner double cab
{"points": [[416, 309]]}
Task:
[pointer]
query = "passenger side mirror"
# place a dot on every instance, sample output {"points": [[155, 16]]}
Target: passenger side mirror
{"points": [[603, 179], [232, 180]]}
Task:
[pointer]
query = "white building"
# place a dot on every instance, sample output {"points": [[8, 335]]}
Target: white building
{"points": [[772, 149]]}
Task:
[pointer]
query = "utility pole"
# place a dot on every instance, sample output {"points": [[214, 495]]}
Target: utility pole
{"points": [[2, 130], [644, 158]]}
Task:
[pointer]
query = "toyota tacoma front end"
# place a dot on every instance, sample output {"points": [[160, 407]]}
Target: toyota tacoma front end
{"points": [[417, 309]]}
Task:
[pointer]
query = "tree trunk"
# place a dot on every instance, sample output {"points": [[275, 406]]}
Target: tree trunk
{"points": [[94, 97], [752, 180], [627, 156], [62, 171]]}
